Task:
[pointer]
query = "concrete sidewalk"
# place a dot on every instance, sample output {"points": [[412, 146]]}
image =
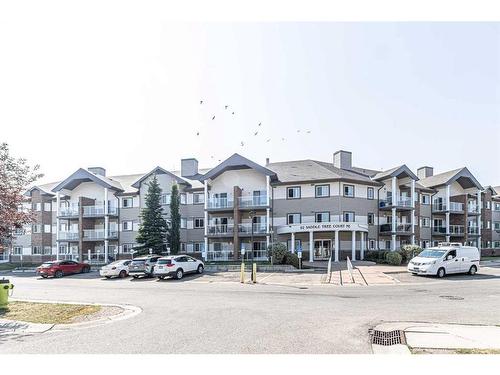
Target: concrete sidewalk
{"points": [[441, 336]]}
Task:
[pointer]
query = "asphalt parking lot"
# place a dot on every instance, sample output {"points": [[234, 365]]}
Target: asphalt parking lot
{"points": [[282, 313]]}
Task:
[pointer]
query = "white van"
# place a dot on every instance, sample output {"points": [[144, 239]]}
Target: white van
{"points": [[445, 259]]}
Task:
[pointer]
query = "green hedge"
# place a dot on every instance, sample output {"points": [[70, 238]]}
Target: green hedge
{"points": [[394, 258]]}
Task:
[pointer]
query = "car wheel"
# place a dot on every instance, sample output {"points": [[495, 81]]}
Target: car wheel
{"points": [[58, 274], [44, 276], [441, 272], [200, 269], [473, 270], [122, 274], [161, 277], [135, 276], [179, 274], [107, 277]]}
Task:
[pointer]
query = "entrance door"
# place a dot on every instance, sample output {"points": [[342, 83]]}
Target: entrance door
{"points": [[322, 249]]}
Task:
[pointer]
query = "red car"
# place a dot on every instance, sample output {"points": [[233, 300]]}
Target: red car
{"points": [[62, 268]]}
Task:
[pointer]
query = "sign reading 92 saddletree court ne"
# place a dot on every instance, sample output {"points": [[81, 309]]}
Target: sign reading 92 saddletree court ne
{"points": [[323, 227]]}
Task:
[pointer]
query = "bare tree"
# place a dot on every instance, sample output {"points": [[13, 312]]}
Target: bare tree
{"points": [[15, 177]]}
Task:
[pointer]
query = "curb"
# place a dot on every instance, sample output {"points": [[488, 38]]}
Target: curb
{"points": [[129, 311]]}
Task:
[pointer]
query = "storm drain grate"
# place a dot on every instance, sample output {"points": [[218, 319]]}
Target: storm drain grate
{"points": [[453, 298], [388, 338]]}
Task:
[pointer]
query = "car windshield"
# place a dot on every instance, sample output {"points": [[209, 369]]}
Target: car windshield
{"points": [[164, 261], [138, 261], [432, 253]]}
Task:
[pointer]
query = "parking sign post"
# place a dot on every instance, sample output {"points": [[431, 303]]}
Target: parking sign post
{"points": [[242, 270]]}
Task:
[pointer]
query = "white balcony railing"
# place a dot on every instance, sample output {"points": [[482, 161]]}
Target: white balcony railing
{"points": [[258, 228], [68, 236], [439, 230], [400, 228], [93, 234], [473, 230], [220, 203], [473, 209], [399, 202], [457, 230], [222, 255], [456, 207], [69, 211], [222, 229], [253, 201]]}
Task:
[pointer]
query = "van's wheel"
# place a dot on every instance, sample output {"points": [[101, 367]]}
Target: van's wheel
{"points": [[122, 274], [441, 272], [58, 274], [179, 274], [473, 270], [200, 269]]}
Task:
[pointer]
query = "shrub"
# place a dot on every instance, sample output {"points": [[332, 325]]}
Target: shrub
{"points": [[278, 251], [291, 259], [371, 256], [409, 251], [394, 258]]}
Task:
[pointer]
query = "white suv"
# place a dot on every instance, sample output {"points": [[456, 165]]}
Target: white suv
{"points": [[176, 266]]}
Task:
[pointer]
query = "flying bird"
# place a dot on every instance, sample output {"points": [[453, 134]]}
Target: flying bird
{"points": [[308, 131], [255, 133], [201, 101], [226, 106], [197, 133], [213, 118], [260, 123], [233, 113], [298, 131], [242, 144], [268, 140], [282, 139]]}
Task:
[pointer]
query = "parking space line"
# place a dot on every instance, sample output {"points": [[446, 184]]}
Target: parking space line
{"points": [[263, 278]]}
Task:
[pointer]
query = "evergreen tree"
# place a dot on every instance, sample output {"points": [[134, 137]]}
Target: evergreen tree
{"points": [[153, 228], [174, 233]]}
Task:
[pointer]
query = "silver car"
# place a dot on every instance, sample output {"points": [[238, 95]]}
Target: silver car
{"points": [[143, 266]]}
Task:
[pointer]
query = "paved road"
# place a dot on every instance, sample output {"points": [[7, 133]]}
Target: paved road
{"points": [[212, 314]]}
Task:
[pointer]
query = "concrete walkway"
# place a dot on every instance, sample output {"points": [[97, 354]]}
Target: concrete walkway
{"points": [[441, 336]]}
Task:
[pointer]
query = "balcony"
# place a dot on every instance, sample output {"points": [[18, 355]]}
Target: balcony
{"points": [[473, 231], [220, 203], [400, 228], [401, 203], [457, 230], [440, 230], [253, 201], [440, 206], [93, 234], [473, 209], [220, 256], [68, 236], [95, 211], [221, 230], [69, 211], [246, 228]]}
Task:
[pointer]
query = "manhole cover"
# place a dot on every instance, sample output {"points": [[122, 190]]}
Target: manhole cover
{"points": [[453, 298], [387, 338]]}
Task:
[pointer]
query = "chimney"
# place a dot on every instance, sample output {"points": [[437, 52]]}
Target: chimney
{"points": [[267, 161], [342, 159], [424, 172], [189, 167], [97, 170]]}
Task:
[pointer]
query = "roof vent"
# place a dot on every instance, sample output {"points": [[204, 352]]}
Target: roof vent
{"points": [[342, 159], [424, 172], [97, 170], [189, 167]]}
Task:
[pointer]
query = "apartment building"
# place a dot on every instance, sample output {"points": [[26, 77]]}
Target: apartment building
{"points": [[320, 209]]}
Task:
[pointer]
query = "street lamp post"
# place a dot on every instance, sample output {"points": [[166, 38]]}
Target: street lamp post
{"points": [[252, 215]]}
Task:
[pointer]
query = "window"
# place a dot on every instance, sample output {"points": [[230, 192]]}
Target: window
{"points": [[165, 199], [47, 228], [47, 250], [198, 198], [37, 206], [127, 202], [63, 249], [293, 192], [322, 191], [496, 225], [349, 216], [322, 217], [371, 244], [47, 207], [387, 245], [127, 247], [37, 228], [199, 247], [488, 205], [17, 250], [293, 218], [36, 250], [370, 193], [183, 198], [127, 225], [497, 244], [183, 223], [426, 222], [349, 191], [497, 206], [183, 249], [426, 199], [199, 222], [371, 218], [298, 245]]}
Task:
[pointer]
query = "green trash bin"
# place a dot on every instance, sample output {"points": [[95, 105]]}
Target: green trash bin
{"points": [[6, 289]]}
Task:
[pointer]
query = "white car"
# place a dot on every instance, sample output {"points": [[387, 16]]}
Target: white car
{"points": [[445, 259], [177, 266], [118, 268]]}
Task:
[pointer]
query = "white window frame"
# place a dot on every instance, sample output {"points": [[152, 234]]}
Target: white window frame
{"points": [[127, 199], [368, 195], [346, 194], [322, 213], [353, 216], [197, 220], [320, 188]]}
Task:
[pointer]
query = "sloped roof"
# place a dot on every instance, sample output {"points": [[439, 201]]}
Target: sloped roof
{"points": [[395, 172], [497, 189], [234, 162], [461, 175], [83, 175], [311, 170], [44, 188], [160, 170]]}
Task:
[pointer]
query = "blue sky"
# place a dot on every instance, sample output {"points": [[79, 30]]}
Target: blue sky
{"points": [[392, 93]]}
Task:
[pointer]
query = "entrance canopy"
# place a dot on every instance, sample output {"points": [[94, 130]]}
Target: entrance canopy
{"points": [[323, 227]]}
